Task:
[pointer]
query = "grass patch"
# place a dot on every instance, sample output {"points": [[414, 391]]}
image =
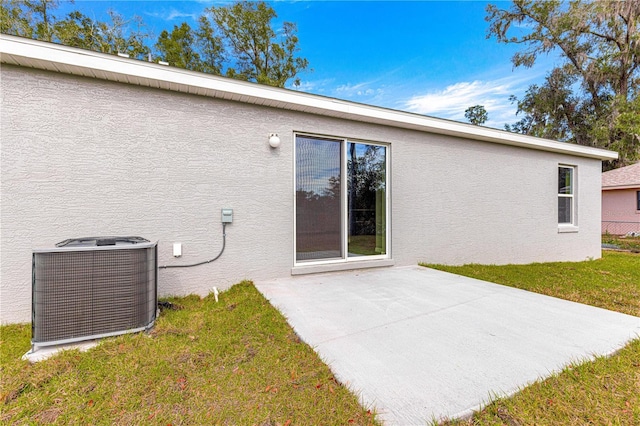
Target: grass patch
{"points": [[605, 391], [232, 362], [612, 282], [624, 243]]}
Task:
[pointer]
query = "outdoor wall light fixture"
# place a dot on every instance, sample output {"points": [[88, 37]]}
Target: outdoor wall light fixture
{"points": [[274, 140]]}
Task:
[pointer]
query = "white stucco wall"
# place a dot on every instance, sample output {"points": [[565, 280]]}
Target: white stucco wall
{"points": [[86, 157]]}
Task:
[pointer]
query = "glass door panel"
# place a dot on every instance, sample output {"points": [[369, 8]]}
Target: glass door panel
{"points": [[366, 200], [318, 199]]}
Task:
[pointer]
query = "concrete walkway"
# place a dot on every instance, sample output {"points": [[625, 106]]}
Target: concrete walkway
{"points": [[419, 344]]}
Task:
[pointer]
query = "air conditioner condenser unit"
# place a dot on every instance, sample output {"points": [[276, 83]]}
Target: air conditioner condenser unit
{"points": [[88, 288]]}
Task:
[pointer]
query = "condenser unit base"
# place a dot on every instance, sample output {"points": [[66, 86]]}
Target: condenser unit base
{"points": [[37, 353]]}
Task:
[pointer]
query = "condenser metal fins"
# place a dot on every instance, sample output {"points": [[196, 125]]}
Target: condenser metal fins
{"points": [[88, 288]]}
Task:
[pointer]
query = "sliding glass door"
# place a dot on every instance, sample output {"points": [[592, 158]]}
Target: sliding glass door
{"points": [[341, 199], [318, 199], [366, 199]]}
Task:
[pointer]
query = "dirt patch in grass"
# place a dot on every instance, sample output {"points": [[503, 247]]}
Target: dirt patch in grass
{"points": [[50, 415], [232, 362]]}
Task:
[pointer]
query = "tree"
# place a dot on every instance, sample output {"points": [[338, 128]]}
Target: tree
{"points": [[125, 36], [35, 19], [178, 48], [254, 50], [78, 30], [211, 47], [118, 36], [28, 18], [590, 96], [44, 25], [257, 53], [476, 115], [14, 18], [553, 111], [199, 50]]}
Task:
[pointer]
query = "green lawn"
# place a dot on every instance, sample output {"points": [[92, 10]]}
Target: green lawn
{"points": [[238, 362], [229, 363], [612, 282], [603, 392]]}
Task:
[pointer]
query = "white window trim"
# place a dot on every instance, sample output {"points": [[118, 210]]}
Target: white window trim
{"points": [[352, 262], [571, 226]]}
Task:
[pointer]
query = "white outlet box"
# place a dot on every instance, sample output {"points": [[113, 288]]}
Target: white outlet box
{"points": [[227, 215], [177, 249]]}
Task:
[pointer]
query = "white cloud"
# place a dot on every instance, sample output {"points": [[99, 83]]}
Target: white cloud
{"points": [[362, 92], [350, 89], [448, 101], [312, 86], [453, 100], [305, 86], [172, 15]]}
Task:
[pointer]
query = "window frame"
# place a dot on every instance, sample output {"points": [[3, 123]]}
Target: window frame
{"points": [[572, 224], [344, 141]]}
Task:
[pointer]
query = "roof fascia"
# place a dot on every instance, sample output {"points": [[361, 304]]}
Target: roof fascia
{"points": [[59, 58], [614, 187]]}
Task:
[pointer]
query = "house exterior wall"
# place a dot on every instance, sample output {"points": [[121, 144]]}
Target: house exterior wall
{"points": [[86, 157], [620, 213]]}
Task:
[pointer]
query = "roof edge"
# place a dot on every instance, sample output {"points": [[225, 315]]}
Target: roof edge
{"points": [[64, 59], [625, 186]]}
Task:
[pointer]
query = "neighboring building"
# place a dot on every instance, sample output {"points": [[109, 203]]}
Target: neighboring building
{"points": [[95, 144], [621, 200]]}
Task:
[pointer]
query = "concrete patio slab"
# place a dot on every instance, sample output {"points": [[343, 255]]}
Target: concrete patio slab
{"points": [[420, 345]]}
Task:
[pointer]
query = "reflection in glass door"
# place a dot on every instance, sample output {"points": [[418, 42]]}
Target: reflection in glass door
{"points": [[338, 220], [367, 207], [318, 199]]}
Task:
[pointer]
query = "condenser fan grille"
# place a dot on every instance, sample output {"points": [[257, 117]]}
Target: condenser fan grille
{"points": [[90, 293]]}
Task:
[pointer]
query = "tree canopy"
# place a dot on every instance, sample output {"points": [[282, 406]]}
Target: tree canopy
{"points": [[178, 47], [258, 54], [592, 96], [238, 40], [476, 114]]}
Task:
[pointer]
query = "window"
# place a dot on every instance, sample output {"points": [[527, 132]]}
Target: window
{"points": [[566, 203], [638, 200], [341, 200]]}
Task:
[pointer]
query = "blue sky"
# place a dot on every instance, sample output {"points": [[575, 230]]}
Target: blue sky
{"points": [[428, 57]]}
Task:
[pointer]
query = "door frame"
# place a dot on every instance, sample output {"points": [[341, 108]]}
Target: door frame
{"points": [[344, 228]]}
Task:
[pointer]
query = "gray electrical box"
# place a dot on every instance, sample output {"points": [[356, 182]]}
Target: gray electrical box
{"points": [[227, 215]]}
